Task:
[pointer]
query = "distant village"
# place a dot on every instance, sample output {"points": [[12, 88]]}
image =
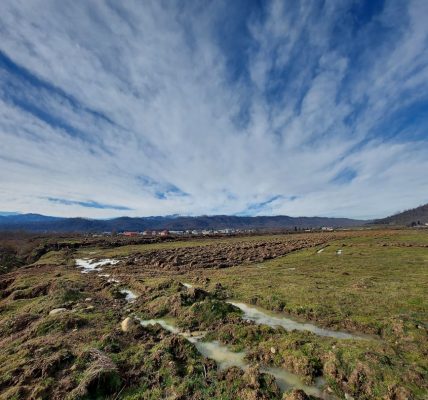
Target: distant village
{"points": [[166, 232], [203, 232]]}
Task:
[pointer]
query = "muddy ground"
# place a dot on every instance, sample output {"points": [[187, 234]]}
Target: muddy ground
{"points": [[223, 255]]}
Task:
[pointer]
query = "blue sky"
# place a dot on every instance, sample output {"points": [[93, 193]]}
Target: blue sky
{"points": [[213, 107]]}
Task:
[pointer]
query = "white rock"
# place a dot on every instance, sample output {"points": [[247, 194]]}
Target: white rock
{"points": [[127, 324], [57, 311]]}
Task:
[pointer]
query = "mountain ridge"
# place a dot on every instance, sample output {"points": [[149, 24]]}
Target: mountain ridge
{"points": [[42, 223], [407, 217]]}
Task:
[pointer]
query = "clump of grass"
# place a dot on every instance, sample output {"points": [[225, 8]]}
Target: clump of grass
{"points": [[66, 290], [99, 379], [64, 322], [205, 314]]}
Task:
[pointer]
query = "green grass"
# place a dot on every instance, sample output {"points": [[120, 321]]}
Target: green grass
{"points": [[53, 257], [367, 284]]}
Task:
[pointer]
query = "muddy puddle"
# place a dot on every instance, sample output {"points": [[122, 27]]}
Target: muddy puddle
{"points": [[163, 323], [88, 265], [130, 296], [226, 358], [262, 317], [220, 354]]}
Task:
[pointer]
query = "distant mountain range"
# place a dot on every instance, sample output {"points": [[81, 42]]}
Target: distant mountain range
{"points": [[415, 216], [42, 223]]}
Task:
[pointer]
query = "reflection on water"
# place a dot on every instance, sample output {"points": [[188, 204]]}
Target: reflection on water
{"points": [[220, 354], [287, 381], [226, 358], [263, 318]]}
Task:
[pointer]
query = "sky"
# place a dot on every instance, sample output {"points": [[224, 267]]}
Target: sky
{"points": [[241, 107]]}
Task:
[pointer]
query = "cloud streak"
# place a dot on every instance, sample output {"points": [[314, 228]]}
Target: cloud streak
{"points": [[285, 108], [88, 204]]}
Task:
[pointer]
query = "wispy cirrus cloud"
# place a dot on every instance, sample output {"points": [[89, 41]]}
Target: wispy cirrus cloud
{"points": [[196, 108], [160, 190], [88, 204]]}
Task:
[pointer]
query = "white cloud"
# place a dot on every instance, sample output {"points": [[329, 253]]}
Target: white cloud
{"points": [[161, 76]]}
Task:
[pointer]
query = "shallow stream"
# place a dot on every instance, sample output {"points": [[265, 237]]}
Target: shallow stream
{"points": [[263, 317], [88, 265], [226, 358]]}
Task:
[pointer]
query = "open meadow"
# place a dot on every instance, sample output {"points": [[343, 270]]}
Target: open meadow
{"points": [[332, 315]]}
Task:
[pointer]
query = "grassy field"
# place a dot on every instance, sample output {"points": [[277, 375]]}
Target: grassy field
{"points": [[364, 286], [376, 285]]}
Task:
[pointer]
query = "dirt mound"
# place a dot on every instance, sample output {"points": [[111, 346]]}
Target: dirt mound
{"points": [[30, 293]]}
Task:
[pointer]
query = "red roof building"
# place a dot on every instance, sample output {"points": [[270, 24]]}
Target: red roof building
{"points": [[130, 233]]}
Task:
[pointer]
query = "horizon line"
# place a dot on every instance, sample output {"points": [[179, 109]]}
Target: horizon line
{"points": [[14, 214]]}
